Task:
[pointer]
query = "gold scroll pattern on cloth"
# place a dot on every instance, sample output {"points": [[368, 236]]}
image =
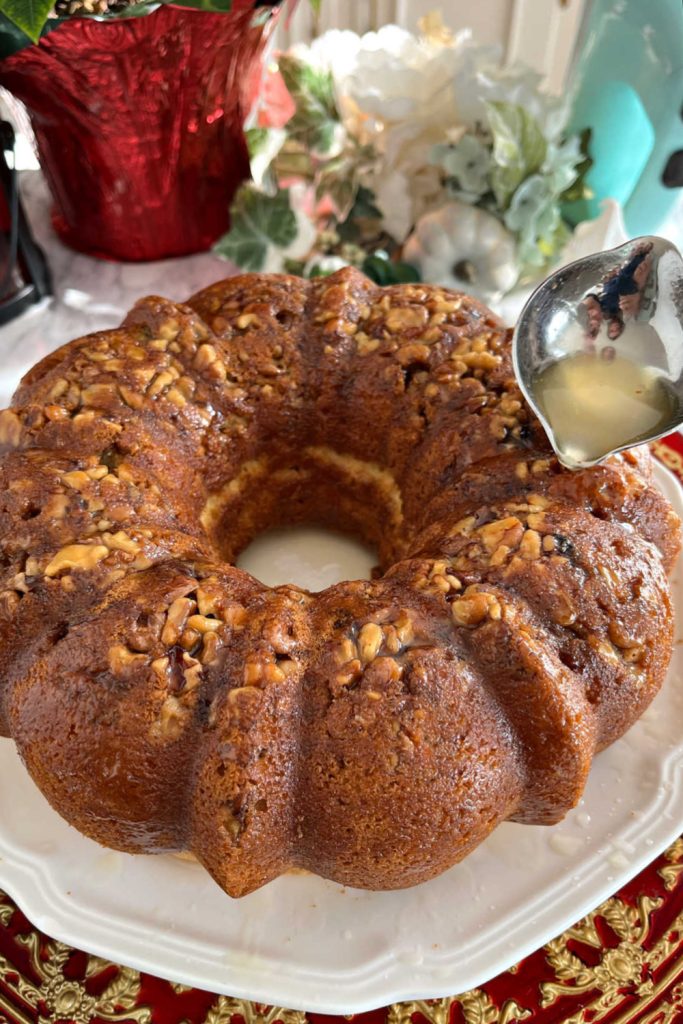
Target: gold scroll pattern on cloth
{"points": [[52, 996], [618, 964], [672, 459]]}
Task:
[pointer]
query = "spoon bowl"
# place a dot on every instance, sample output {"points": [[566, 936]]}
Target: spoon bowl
{"points": [[598, 351]]}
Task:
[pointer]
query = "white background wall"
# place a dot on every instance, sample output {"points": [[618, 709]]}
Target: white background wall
{"points": [[542, 33]]}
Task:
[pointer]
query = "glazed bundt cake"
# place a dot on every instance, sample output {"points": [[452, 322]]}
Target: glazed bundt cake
{"points": [[374, 733]]}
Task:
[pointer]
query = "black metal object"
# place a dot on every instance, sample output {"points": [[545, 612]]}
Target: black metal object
{"points": [[24, 274]]}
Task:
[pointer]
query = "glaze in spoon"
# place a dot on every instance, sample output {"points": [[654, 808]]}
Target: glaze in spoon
{"points": [[598, 351]]}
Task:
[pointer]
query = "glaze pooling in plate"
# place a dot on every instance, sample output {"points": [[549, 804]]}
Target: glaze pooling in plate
{"points": [[306, 943]]}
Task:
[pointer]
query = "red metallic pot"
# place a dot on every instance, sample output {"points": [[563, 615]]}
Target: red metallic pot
{"points": [[139, 126]]}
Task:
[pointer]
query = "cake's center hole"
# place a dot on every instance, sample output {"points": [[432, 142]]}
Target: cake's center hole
{"points": [[308, 556]]}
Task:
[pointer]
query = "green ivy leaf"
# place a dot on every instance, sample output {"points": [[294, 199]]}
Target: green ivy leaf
{"points": [[316, 116], [217, 6], [363, 217], [257, 221], [294, 267], [12, 38], [28, 15], [382, 270], [255, 137], [136, 10], [579, 189], [338, 179], [519, 148], [365, 205]]}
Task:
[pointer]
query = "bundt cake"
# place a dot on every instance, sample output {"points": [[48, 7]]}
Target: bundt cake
{"points": [[375, 732]]}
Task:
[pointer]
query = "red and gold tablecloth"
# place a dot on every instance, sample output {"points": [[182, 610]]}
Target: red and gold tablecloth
{"points": [[623, 963]]}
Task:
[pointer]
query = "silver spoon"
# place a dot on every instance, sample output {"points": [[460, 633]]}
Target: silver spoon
{"points": [[598, 351]]}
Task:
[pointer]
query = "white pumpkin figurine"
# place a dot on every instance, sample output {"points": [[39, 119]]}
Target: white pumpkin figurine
{"points": [[462, 247]]}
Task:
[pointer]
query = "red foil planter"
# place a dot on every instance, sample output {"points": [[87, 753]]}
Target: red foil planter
{"points": [[139, 126]]}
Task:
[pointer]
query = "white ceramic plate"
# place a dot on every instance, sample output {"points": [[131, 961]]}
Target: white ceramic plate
{"points": [[302, 942]]}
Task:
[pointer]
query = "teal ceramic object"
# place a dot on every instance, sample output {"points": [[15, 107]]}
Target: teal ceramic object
{"points": [[628, 89]]}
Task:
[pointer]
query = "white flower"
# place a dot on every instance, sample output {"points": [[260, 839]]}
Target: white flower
{"points": [[403, 195], [468, 161], [480, 79], [323, 264], [406, 96], [395, 92], [394, 201], [398, 76], [335, 51], [462, 247]]}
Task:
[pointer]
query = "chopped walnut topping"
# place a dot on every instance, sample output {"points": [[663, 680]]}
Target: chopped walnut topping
{"points": [[121, 542], [203, 624], [366, 344], [530, 546], [403, 318], [170, 330], [260, 669], [605, 649], [350, 673], [508, 531], [370, 640], [10, 428], [172, 717], [162, 381], [77, 479], [160, 668], [620, 637], [346, 651], [609, 575], [133, 399], [58, 389], [404, 628], [230, 823], [207, 598], [76, 556], [562, 610], [192, 673], [633, 655], [241, 693], [538, 500], [98, 396], [474, 607], [122, 659], [247, 320], [210, 648], [480, 360], [440, 577], [176, 618], [464, 526], [413, 354]]}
